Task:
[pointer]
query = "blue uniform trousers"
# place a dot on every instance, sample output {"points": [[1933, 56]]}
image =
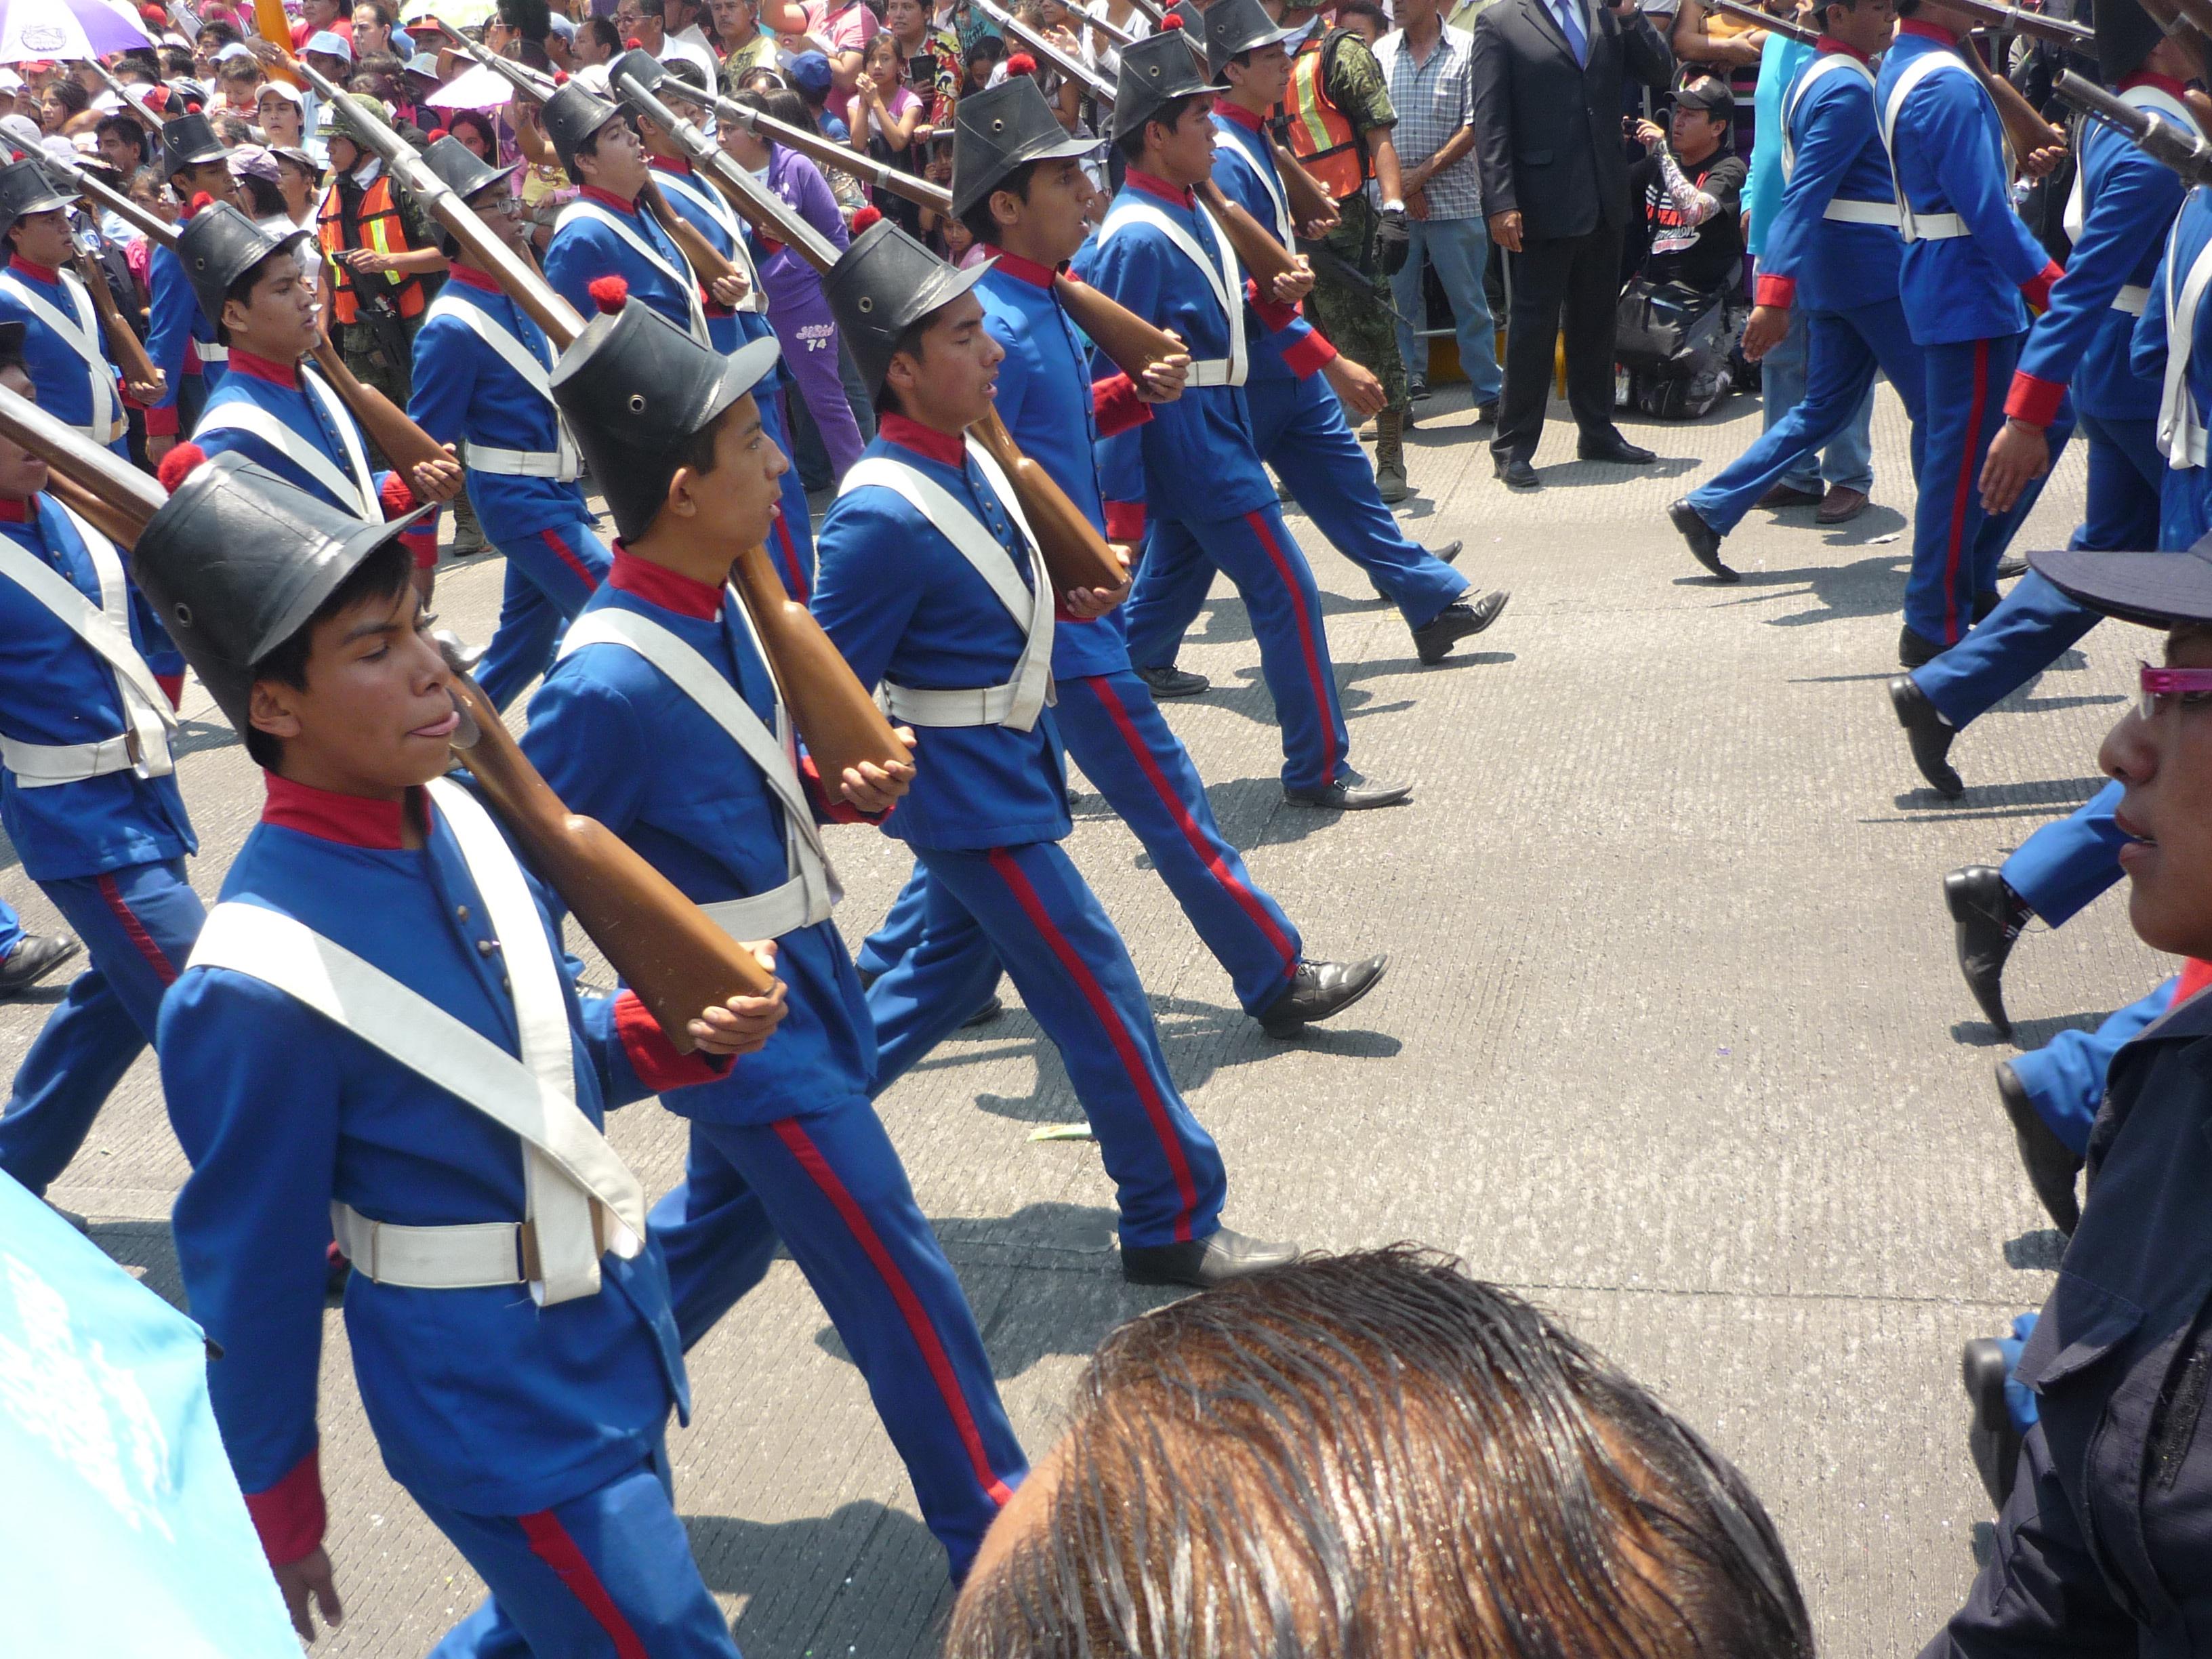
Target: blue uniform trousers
{"points": [[138, 925], [831, 1187], [548, 577], [1258, 554], [11, 931], [2034, 623], [1116, 732], [1028, 908], [1844, 349], [791, 539], [2070, 861], [2065, 1078], [606, 1575], [1955, 543]]}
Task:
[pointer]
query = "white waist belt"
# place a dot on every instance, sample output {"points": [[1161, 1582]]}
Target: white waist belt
{"points": [[460, 1258], [516, 462], [1213, 371], [1933, 227], [2132, 298], [209, 352], [1864, 213], [765, 915], [42, 765], [983, 705]]}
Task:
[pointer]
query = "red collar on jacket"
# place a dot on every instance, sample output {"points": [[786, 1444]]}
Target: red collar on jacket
{"points": [[283, 375], [1829, 42], [1026, 270], [474, 278], [1926, 30], [350, 820], [672, 590], [1239, 115], [608, 198], [1159, 187], [670, 163], [926, 442], [17, 509], [45, 274], [2165, 83]]}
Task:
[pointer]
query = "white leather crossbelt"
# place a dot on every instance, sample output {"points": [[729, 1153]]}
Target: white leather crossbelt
{"points": [[209, 352], [1213, 370], [459, 1258], [1863, 213], [516, 462]]}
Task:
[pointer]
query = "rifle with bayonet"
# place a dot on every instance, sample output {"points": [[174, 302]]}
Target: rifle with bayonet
{"points": [[2186, 153], [140, 378], [828, 153], [2018, 20], [1759, 18]]}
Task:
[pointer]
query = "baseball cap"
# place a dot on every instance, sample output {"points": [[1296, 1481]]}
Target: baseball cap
{"points": [[1709, 93], [808, 71], [283, 89], [330, 41], [2158, 590]]}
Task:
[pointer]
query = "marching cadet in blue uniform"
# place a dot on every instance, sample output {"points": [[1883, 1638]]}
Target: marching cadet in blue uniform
{"points": [[88, 795], [1969, 264], [661, 685], [1009, 144], [678, 83], [2123, 206], [180, 336], [1298, 424], [63, 346], [1833, 248], [1160, 254], [483, 382], [377, 1032], [930, 586], [271, 406]]}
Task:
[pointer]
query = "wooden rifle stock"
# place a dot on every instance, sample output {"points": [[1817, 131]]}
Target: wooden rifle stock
{"points": [[2056, 31], [2025, 130], [1134, 345], [708, 263], [405, 444], [839, 720], [92, 477], [1075, 555], [1307, 197], [1759, 18], [826, 152], [1262, 257], [122, 339]]}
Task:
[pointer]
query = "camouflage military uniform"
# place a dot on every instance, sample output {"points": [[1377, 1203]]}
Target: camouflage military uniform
{"points": [[1357, 317]]}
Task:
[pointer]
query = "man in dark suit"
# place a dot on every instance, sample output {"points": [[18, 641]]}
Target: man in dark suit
{"points": [[1547, 105]]}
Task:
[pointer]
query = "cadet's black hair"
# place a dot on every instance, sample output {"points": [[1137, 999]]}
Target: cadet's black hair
{"points": [[981, 225], [243, 289], [886, 399], [531, 19], [127, 126], [1131, 143], [11, 357], [590, 146], [380, 576]]}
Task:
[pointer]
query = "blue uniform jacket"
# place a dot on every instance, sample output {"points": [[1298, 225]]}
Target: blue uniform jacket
{"points": [[583, 250], [727, 329], [1949, 154], [898, 600], [479, 1398], [465, 391], [1054, 410], [55, 689], [61, 377], [706, 818], [1285, 346], [276, 387], [2129, 202], [1836, 154], [1204, 435], [2185, 504], [173, 321]]}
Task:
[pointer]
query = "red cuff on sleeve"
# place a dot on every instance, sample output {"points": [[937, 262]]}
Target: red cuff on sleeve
{"points": [[1273, 314], [397, 499], [1310, 353], [172, 687], [2033, 402], [161, 422], [1780, 292], [653, 1057], [289, 1515], [422, 543], [839, 811], [1125, 521], [2037, 289], [1115, 405]]}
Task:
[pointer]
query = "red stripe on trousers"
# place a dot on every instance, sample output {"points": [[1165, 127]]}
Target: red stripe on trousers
{"points": [[1305, 636], [802, 1147], [1200, 843], [561, 551], [164, 970], [550, 1543], [795, 579], [1969, 462], [1101, 1007]]}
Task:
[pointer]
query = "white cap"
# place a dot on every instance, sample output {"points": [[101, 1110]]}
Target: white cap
{"points": [[11, 81], [283, 89]]}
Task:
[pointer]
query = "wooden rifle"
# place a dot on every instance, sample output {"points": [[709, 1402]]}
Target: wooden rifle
{"points": [[2018, 20], [2186, 153], [123, 340], [129, 93], [2025, 130], [1759, 18], [827, 152]]}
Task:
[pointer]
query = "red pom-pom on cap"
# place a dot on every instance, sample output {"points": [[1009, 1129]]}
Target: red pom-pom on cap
{"points": [[1021, 63], [436, 133], [1172, 21], [634, 44], [177, 465], [608, 293], [559, 77], [865, 217], [203, 202]]}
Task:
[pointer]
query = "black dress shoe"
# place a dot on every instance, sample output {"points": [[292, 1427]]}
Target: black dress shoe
{"points": [[2010, 567], [1486, 413], [988, 1010], [1351, 792], [1989, 916], [1616, 449], [1433, 639], [1990, 1437], [1205, 1262], [1705, 541], [1918, 650], [2050, 1163], [1318, 989], [39, 955], [1516, 471], [1929, 735], [1448, 552], [1173, 681]]}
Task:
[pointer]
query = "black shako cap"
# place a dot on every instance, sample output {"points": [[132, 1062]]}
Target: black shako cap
{"points": [[1239, 26], [238, 559], [571, 116], [635, 389], [2158, 590], [187, 142], [1155, 71], [883, 285], [1001, 129], [460, 169], [25, 188], [219, 245]]}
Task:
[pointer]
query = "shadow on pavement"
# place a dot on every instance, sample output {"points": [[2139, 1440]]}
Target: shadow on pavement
{"points": [[863, 1567]]}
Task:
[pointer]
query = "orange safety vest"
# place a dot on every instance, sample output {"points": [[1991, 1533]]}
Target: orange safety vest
{"points": [[381, 228], [1321, 137]]}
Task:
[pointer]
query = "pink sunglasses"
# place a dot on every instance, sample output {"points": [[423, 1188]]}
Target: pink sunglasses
{"points": [[2170, 688]]}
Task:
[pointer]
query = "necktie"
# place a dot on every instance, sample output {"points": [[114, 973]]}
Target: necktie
{"points": [[1570, 20]]}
